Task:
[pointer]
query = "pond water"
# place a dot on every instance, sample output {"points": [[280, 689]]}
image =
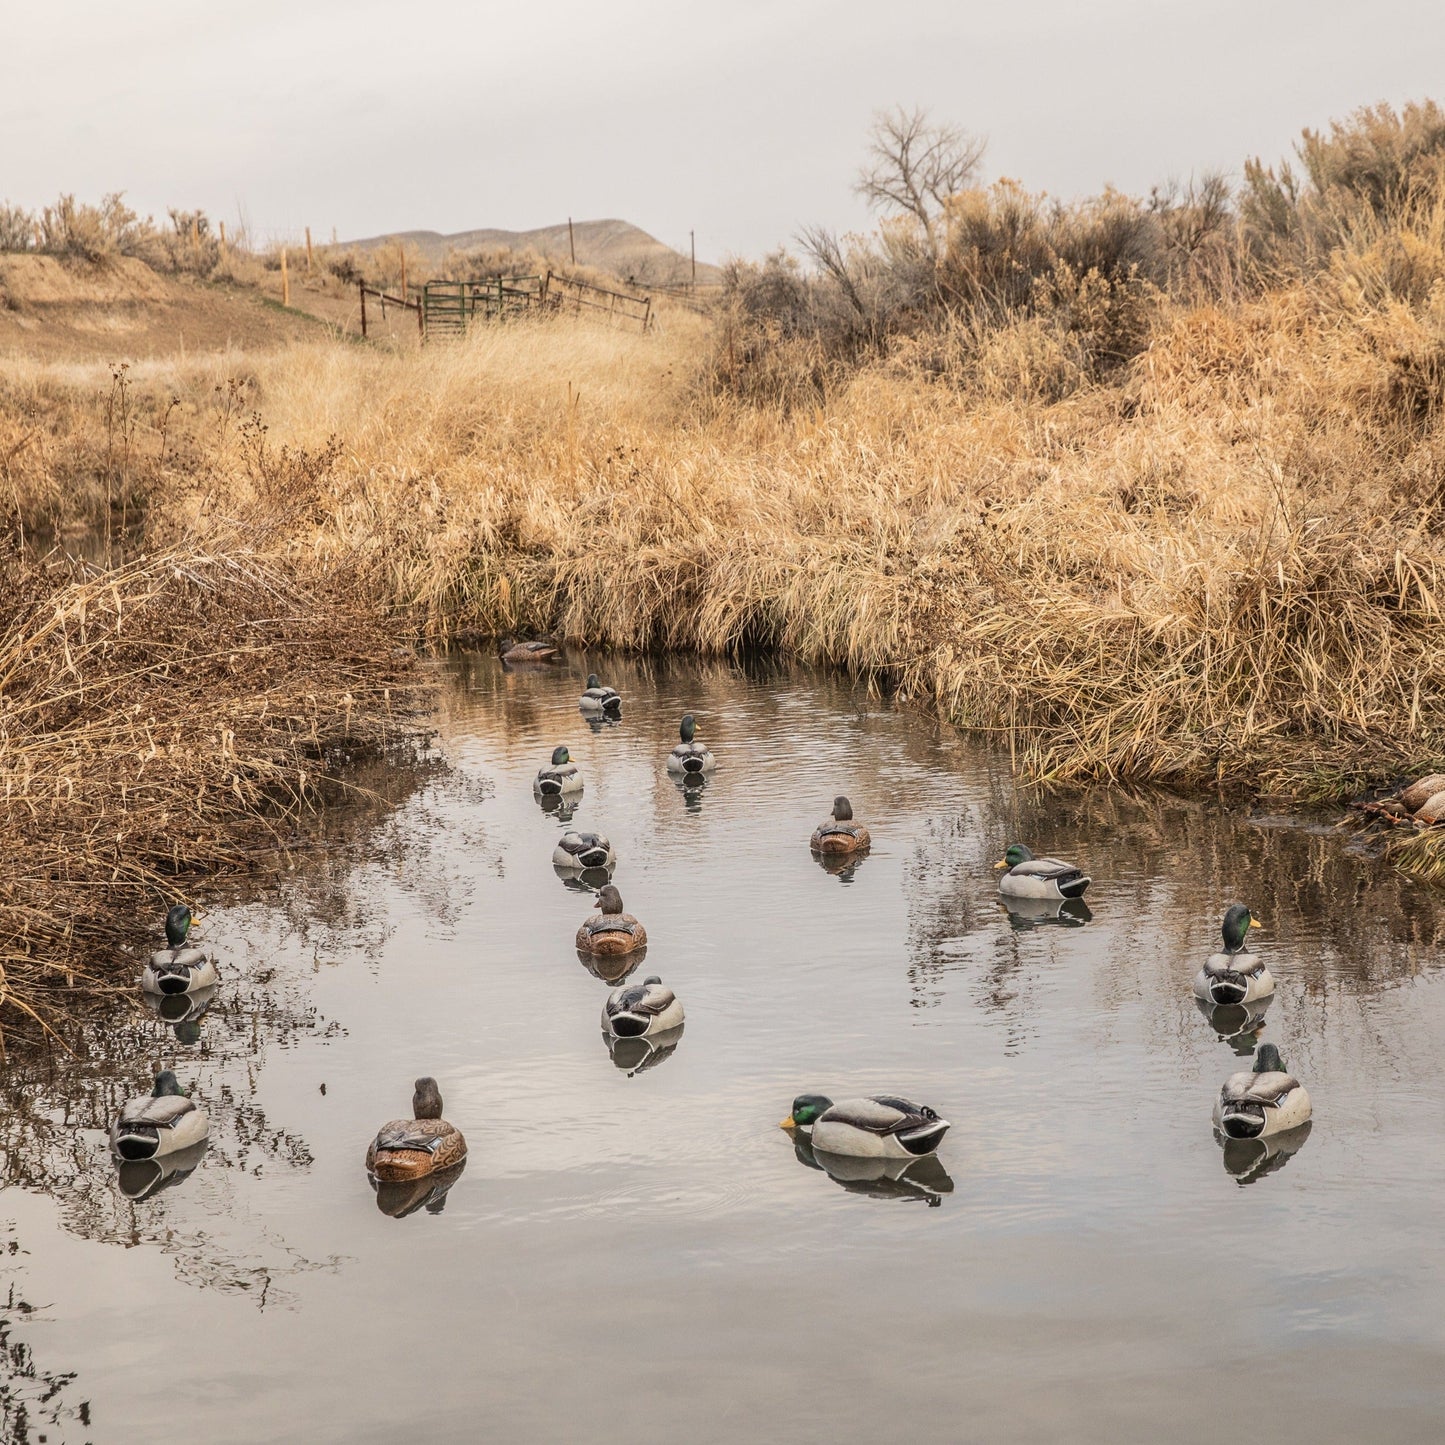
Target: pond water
{"points": [[635, 1249]]}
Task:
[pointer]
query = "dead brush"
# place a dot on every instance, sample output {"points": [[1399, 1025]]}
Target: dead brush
{"points": [[161, 722]]}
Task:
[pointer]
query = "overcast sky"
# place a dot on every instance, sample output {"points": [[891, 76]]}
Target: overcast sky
{"points": [[744, 119]]}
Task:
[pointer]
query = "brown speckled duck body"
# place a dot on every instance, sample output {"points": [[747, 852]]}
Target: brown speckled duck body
{"points": [[610, 930], [413, 1148], [513, 651], [839, 833]]}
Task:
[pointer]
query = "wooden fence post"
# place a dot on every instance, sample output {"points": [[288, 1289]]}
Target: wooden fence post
{"points": [[421, 315], [223, 240], [401, 246], [285, 280], [362, 285], [308, 250], [571, 241]]}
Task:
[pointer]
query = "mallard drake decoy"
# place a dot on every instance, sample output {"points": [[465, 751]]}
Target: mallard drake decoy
{"points": [[1030, 877], [1263, 1101], [560, 777], [1236, 975], [180, 967], [641, 1008], [164, 1121], [510, 650], [690, 756], [880, 1127], [584, 850], [610, 930], [599, 701], [838, 833], [421, 1145]]}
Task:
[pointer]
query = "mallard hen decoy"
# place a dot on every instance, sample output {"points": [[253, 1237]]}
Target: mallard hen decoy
{"points": [[180, 967], [559, 777], [838, 833], [599, 701], [1030, 877], [879, 1127], [164, 1121], [511, 651], [1263, 1101], [642, 1008], [690, 757], [1236, 975], [424, 1144], [610, 930]]}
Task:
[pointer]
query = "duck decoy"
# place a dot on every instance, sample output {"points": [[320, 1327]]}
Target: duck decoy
{"points": [[642, 1008], [838, 834], [512, 651], [165, 1121], [610, 930], [583, 851], [690, 757], [179, 967], [1030, 877], [182, 1011], [880, 1127], [1236, 975], [413, 1148], [559, 778], [599, 701], [1263, 1101]]}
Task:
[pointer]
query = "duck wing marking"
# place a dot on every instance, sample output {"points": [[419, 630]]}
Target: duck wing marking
{"points": [[422, 1134], [641, 998], [1047, 868], [1249, 1088], [163, 1113]]}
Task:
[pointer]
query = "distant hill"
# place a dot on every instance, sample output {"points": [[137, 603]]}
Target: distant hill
{"points": [[616, 246]]}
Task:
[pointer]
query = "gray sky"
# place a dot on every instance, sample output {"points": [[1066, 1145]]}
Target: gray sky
{"points": [[744, 119]]}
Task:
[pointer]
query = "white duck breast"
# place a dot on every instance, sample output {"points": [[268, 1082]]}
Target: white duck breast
{"points": [[149, 1127], [1255, 1106], [1233, 978], [178, 970], [600, 702], [688, 758], [556, 779], [584, 850], [641, 1008], [878, 1128], [1044, 878]]}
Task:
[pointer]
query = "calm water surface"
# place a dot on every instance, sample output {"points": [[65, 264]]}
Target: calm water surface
{"points": [[635, 1250]]}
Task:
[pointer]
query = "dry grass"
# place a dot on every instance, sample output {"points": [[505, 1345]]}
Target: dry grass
{"points": [[161, 721]]}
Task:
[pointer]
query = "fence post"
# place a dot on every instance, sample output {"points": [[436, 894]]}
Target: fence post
{"points": [[420, 314], [308, 250], [223, 241], [285, 280], [362, 285]]}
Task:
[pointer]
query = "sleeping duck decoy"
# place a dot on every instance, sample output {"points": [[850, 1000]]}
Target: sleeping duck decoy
{"points": [[880, 1127], [583, 851], [642, 1008], [558, 778], [1261, 1102], [690, 758], [838, 833], [140, 1178], [1030, 877], [165, 1121], [180, 967], [1236, 975], [610, 930], [511, 651], [415, 1147], [599, 701]]}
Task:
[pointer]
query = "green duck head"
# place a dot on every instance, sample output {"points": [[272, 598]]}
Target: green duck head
{"points": [[426, 1102], [1015, 854], [842, 810], [609, 900], [178, 925], [688, 730], [1238, 920], [167, 1083], [560, 756], [593, 681], [805, 1112], [1268, 1061]]}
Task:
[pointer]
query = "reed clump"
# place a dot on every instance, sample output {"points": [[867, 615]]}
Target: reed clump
{"points": [[159, 722]]}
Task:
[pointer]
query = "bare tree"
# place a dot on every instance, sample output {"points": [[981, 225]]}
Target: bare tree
{"points": [[914, 165]]}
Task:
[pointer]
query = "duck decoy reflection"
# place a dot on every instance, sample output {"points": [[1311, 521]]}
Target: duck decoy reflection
{"points": [[583, 880], [1026, 913], [1237, 1024], [562, 806], [612, 968], [639, 1053], [400, 1197], [180, 967], [692, 786], [141, 1178], [842, 866], [919, 1180], [1246, 1160], [1236, 975], [182, 1011]]}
